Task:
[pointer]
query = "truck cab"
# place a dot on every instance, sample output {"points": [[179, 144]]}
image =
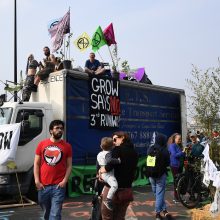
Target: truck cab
{"points": [[34, 119]]}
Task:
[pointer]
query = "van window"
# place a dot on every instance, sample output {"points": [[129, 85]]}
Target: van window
{"points": [[31, 125], [5, 115]]}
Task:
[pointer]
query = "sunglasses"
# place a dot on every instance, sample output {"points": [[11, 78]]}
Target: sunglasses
{"points": [[114, 139]]}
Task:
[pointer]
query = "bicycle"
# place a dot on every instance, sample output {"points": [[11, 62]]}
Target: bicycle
{"points": [[96, 189], [190, 188]]}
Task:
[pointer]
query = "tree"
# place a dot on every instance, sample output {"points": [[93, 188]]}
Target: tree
{"points": [[204, 101], [115, 58]]}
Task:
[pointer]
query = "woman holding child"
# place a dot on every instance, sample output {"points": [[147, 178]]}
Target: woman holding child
{"points": [[124, 173]]}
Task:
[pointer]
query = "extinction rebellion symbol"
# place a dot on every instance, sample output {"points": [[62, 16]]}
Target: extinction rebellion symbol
{"points": [[82, 43], [96, 39]]}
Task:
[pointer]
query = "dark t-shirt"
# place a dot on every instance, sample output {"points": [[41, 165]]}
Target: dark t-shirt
{"points": [[92, 66]]}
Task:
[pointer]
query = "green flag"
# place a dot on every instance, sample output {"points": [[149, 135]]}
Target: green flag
{"points": [[98, 39]]}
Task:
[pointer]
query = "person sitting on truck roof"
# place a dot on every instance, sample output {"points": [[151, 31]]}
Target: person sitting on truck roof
{"points": [[31, 81], [48, 65], [93, 66]]}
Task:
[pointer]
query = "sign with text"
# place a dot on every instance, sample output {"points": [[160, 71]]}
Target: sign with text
{"points": [[9, 136], [143, 110], [80, 180], [104, 102]]}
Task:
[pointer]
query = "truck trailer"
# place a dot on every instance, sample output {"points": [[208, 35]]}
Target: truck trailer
{"points": [[144, 110]]}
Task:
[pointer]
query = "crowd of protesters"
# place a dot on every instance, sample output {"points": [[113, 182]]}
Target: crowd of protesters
{"points": [[171, 153], [121, 157], [116, 167], [117, 162]]}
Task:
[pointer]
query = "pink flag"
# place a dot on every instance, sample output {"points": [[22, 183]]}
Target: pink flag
{"points": [[53, 25], [62, 28], [53, 31], [109, 35]]}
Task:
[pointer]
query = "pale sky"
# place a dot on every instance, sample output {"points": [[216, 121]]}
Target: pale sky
{"points": [[164, 36]]}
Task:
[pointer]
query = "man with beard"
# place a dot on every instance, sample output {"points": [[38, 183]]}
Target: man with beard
{"points": [[52, 167], [48, 66]]}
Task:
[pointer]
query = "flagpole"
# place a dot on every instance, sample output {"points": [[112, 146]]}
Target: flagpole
{"points": [[69, 38], [69, 46], [64, 46], [15, 48], [111, 56], [100, 55]]}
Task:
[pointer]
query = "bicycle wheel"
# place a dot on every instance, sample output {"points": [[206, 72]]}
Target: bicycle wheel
{"points": [[189, 196], [96, 209]]}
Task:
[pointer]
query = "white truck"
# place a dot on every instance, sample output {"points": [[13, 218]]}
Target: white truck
{"points": [[65, 95]]}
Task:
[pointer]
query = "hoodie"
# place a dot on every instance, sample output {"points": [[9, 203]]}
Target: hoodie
{"points": [[161, 143]]}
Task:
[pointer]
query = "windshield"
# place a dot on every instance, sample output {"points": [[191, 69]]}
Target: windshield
{"points": [[5, 115]]}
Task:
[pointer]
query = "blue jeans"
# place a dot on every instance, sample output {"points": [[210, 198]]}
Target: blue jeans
{"points": [[158, 186], [51, 199]]}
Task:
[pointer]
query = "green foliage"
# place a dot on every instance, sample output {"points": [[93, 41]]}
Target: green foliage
{"points": [[125, 67], [115, 58], [204, 101], [214, 151]]}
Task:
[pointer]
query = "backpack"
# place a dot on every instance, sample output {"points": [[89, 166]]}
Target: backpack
{"points": [[155, 163]]}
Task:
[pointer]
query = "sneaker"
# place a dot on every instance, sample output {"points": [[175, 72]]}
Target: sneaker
{"points": [[176, 200], [158, 216], [167, 215], [108, 203]]}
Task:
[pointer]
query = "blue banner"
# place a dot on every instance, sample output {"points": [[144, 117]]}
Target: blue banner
{"points": [[143, 112]]}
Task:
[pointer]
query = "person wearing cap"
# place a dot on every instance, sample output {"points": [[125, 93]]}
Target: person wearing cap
{"points": [[194, 157], [197, 148]]}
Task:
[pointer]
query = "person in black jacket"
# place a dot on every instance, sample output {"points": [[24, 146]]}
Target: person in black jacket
{"points": [[124, 174], [158, 182]]}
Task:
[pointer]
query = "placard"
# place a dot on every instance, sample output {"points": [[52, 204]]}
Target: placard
{"points": [[104, 102]]}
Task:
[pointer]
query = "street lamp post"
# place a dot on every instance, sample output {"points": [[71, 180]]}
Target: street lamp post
{"points": [[15, 48]]}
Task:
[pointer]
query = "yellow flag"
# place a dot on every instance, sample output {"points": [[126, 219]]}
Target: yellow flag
{"points": [[11, 165], [83, 42]]}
